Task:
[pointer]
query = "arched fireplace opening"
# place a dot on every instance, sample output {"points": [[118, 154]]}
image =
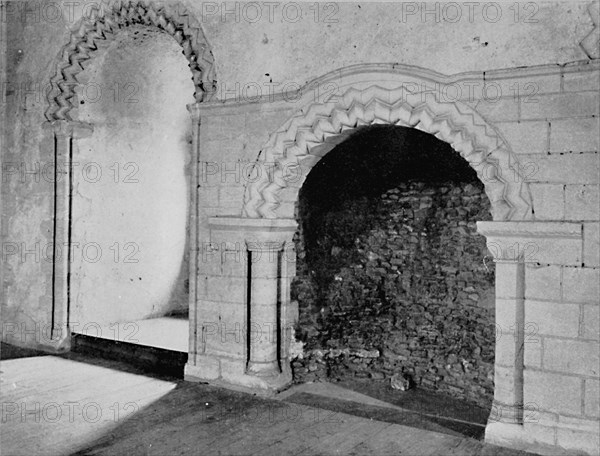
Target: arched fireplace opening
{"points": [[392, 278]]}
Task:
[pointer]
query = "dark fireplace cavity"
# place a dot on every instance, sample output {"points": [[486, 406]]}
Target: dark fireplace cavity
{"points": [[392, 276]]}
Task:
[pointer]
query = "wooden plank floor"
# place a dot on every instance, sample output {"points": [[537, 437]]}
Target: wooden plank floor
{"points": [[115, 412]]}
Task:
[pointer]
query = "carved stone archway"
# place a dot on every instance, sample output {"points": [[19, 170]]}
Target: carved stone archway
{"points": [[307, 137], [101, 24], [318, 127], [248, 257]]}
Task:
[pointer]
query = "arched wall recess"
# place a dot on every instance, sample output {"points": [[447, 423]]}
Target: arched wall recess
{"points": [[100, 25]]}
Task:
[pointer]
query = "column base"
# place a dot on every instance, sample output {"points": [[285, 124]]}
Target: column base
{"points": [[231, 373], [204, 369], [268, 369], [518, 437]]}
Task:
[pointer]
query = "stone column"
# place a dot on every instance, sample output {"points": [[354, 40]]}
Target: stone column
{"points": [[244, 285], [63, 133], [263, 309], [519, 248], [510, 316]]}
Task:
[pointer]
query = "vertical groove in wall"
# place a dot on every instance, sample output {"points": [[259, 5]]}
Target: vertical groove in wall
{"points": [[3, 130], [520, 343], [248, 304], [194, 243], [583, 396], [279, 258], [69, 226], [54, 250]]}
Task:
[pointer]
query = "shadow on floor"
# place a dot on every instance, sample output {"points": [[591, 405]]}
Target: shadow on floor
{"points": [[456, 414], [8, 351], [179, 417], [151, 360]]}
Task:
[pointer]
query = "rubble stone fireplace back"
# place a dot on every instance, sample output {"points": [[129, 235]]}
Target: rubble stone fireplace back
{"points": [[392, 276]]}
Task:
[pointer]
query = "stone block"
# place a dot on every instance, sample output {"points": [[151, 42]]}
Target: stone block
{"points": [[222, 127], [224, 289], [590, 326], [543, 434], [232, 196], [262, 124], [592, 398], [577, 422], [233, 371], [287, 210], [548, 201], [552, 392], [582, 202], [581, 81], [533, 354], [226, 335], [506, 350], [234, 262], [563, 169], [506, 314], [574, 440], [529, 137], [551, 318], [572, 357], [542, 282], [591, 244], [581, 285], [506, 280], [501, 110], [220, 324], [533, 414], [559, 105], [574, 135], [208, 197], [527, 87], [204, 368], [504, 384]]}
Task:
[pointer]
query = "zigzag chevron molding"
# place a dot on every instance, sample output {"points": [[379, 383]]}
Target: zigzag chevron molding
{"points": [[591, 42], [101, 25], [315, 130]]}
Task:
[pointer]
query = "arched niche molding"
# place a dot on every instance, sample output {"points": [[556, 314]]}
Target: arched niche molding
{"points": [[101, 23]]}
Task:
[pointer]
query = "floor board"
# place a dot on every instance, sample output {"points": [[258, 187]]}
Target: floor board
{"points": [[118, 411]]}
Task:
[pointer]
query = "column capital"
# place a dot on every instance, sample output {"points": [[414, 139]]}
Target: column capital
{"points": [[69, 128], [256, 233], [264, 246]]}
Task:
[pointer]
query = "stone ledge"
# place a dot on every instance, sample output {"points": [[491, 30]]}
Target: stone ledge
{"points": [[257, 230], [535, 242], [530, 229], [270, 103]]}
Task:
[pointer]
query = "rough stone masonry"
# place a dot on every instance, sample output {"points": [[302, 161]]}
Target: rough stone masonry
{"points": [[409, 291]]}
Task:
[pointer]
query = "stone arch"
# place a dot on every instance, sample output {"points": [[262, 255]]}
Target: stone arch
{"points": [[318, 127], [104, 22]]}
